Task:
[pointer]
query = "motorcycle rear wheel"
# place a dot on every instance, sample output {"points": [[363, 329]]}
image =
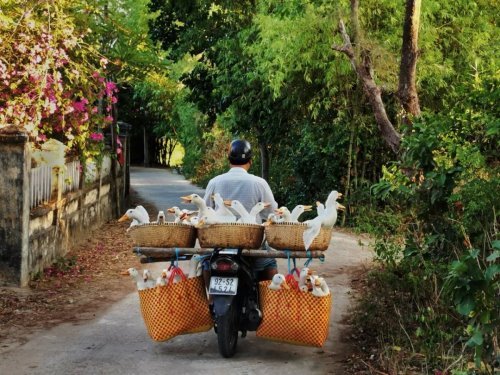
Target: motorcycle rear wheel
{"points": [[227, 332]]}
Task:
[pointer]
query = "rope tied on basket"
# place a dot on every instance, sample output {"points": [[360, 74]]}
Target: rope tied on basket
{"points": [[289, 278], [309, 258]]}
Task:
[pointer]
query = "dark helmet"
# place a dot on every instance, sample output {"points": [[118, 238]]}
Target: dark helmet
{"points": [[240, 152]]}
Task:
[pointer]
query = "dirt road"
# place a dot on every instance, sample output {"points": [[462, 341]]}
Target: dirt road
{"points": [[116, 342]]}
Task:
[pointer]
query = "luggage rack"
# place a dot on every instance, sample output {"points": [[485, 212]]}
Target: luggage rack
{"points": [[162, 254]]}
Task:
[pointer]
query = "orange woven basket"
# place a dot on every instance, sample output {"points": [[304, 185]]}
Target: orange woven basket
{"points": [[288, 236], [163, 235], [293, 317], [175, 309], [233, 235]]}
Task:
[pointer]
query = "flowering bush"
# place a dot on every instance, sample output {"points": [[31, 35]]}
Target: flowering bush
{"points": [[52, 82]]}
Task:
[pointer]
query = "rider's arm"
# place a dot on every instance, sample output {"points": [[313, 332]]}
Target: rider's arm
{"points": [[268, 196], [209, 191]]}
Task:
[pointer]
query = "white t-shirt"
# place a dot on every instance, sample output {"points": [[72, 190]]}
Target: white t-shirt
{"points": [[245, 187]]}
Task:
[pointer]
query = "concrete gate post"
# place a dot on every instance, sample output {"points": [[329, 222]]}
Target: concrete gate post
{"points": [[15, 164]]}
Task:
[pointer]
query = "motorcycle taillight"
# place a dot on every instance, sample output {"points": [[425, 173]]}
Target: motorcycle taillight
{"points": [[225, 265]]}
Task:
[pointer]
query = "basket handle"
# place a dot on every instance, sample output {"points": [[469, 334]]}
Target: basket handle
{"points": [[176, 271], [292, 283]]}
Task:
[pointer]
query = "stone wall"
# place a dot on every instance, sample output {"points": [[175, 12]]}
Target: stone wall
{"points": [[30, 240]]}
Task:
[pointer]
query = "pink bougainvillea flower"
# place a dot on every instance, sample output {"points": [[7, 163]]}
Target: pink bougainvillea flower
{"points": [[96, 137], [96, 74], [114, 99], [41, 137], [110, 88], [108, 118], [79, 106], [95, 109]]}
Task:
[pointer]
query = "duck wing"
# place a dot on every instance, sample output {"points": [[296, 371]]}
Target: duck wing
{"points": [[312, 231]]}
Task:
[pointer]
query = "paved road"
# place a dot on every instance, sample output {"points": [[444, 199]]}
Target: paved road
{"points": [[116, 342]]}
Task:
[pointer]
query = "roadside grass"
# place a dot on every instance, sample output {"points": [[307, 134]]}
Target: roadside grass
{"points": [[402, 326]]}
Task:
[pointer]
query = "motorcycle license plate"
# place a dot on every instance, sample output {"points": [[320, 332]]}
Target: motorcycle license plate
{"points": [[223, 285]]}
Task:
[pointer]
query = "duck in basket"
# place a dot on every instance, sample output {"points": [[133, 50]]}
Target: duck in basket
{"points": [[138, 215]]}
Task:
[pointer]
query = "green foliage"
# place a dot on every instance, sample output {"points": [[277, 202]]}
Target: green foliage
{"points": [[473, 285], [449, 173]]}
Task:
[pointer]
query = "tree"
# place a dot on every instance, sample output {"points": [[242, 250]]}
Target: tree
{"points": [[361, 63]]}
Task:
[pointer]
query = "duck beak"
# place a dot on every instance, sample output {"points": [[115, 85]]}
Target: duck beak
{"points": [[317, 282], [267, 204], [277, 211], [124, 273], [228, 203], [308, 208], [285, 285], [200, 224], [187, 199], [171, 210], [340, 207], [124, 218], [340, 195]]}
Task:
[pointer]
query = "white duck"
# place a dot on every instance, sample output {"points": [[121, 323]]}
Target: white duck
{"points": [[200, 203], [292, 217], [204, 212], [134, 274], [273, 218], [320, 289], [284, 213], [201, 221], [331, 207], [299, 210], [223, 213], [195, 266], [277, 282], [162, 280], [320, 208], [327, 219], [149, 282], [305, 273], [255, 211], [245, 216], [179, 215], [160, 219], [138, 215]]}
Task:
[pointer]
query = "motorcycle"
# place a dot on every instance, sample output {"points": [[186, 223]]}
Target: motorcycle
{"points": [[235, 296]]}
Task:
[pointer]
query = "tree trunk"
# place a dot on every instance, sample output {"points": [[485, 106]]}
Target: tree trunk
{"points": [[146, 148], [364, 72], [407, 91], [264, 160]]}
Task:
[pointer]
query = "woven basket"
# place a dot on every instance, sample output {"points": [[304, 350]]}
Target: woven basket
{"points": [[233, 235], [288, 236], [293, 316], [163, 235]]}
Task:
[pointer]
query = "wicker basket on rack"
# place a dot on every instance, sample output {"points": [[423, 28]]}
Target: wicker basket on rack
{"points": [[163, 235], [232, 235], [288, 236]]}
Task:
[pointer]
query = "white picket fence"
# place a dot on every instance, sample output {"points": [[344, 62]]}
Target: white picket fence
{"points": [[71, 176], [40, 185], [41, 181]]}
